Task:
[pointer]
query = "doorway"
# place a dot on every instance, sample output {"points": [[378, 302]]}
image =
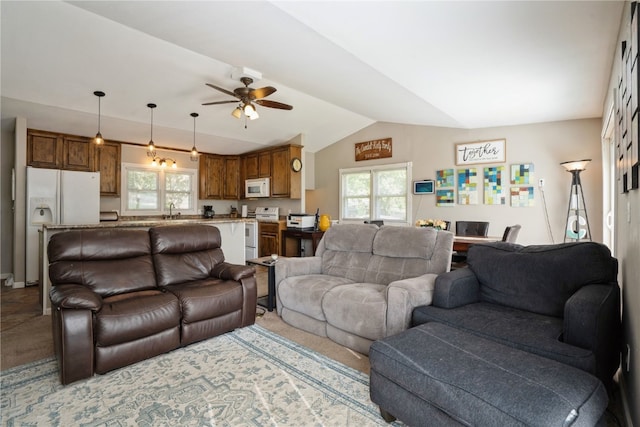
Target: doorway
{"points": [[609, 180]]}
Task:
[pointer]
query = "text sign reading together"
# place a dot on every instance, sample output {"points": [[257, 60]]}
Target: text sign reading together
{"points": [[376, 149], [481, 152]]}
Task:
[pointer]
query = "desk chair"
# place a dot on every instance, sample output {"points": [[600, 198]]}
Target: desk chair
{"points": [[467, 228], [472, 228], [511, 233]]}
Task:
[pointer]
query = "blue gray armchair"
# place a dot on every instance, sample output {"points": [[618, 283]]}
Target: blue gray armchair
{"points": [[558, 301]]}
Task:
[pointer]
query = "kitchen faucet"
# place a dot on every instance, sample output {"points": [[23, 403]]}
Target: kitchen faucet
{"points": [[171, 206]]}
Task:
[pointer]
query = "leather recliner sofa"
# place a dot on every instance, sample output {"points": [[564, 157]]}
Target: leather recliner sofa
{"points": [[120, 296]]}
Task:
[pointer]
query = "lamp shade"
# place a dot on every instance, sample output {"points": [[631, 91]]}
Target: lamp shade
{"points": [[575, 165]]}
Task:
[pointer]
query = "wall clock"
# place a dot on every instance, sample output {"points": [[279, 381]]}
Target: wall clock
{"points": [[296, 164]]}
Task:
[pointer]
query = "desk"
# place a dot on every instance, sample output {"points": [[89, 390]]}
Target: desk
{"points": [[462, 243], [271, 274], [300, 235]]}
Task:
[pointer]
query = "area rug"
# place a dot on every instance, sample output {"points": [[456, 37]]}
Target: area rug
{"points": [[249, 377]]}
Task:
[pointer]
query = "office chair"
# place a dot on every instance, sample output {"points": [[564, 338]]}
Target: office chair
{"points": [[472, 228], [511, 233]]}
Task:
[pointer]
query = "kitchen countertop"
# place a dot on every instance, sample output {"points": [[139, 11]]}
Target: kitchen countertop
{"points": [[149, 223]]}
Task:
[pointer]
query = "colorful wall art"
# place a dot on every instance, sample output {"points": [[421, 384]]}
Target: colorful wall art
{"points": [[522, 197], [445, 178], [445, 197], [495, 191], [522, 174], [468, 186]]}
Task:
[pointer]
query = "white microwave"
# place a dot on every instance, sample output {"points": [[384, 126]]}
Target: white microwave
{"points": [[258, 187]]}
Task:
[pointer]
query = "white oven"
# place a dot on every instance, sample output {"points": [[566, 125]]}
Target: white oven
{"points": [[258, 187]]}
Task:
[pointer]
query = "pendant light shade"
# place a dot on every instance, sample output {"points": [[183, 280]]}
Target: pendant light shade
{"points": [[194, 151], [151, 152], [98, 140]]}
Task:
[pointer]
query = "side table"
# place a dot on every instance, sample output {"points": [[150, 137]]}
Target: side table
{"points": [[266, 261]]}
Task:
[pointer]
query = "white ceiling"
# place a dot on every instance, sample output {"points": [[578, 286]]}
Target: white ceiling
{"points": [[342, 65]]}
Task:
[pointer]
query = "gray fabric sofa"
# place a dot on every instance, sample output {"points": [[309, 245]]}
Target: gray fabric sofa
{"points": [[557, 301], [363, 282]]}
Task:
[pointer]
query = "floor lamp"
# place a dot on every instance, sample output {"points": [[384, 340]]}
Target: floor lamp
{"points": [[577, 225]]}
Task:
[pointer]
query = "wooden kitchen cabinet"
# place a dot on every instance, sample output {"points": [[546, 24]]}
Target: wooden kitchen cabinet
{"points": [[107, 160], [219, 177], [60, 151], [285, 183], [257, 165], [231, 184], [78, 153], [269, 237], [44, 149]]}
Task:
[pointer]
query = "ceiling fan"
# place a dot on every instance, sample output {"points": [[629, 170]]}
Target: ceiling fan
{"points": [[247, 97]]}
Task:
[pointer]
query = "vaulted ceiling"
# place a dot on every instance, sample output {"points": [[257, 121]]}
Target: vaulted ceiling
{"points": [[342, 65]]}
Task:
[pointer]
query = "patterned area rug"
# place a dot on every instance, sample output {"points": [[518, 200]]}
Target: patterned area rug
{"points": [[250, 377]]}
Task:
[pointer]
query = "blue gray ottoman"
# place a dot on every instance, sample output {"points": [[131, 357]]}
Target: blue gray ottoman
{"points": [[436, 375]]}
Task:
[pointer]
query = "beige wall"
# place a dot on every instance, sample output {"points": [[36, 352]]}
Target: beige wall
{"points": [[627, 246], [431, 148]]}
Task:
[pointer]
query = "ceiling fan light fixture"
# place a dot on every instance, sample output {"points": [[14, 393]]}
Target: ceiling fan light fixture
{"points": [[249, 109], [254, 115], [98, 140], [151, 152], [237, 113], [194, 151]]}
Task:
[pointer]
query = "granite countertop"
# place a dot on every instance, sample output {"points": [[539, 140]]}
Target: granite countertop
{"points": [[149, 223]]}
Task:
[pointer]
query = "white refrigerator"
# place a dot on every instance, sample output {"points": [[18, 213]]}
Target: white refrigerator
{"points": [[57, 197]]}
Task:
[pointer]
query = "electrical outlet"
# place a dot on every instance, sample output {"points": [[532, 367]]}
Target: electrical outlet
{"points": [[541, 182], [627, 361]]}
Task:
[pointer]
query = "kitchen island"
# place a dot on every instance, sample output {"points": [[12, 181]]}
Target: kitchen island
{"points": [[232, 233]]}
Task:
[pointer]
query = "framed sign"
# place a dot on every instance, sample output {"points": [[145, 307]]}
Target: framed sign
{"points": [[376, 149], [471, 153]]}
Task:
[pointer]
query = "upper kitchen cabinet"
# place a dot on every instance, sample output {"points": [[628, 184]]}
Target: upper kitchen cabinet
{"points": [[257, 165], [59, 151], [231, 187], [44, 149], [108, 164], [286, 182], [219, 177], [77, 153]]}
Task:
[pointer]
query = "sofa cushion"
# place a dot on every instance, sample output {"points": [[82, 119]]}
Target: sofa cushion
{"points": [[109, 262], [206, 299], [539, 278], [184, 253], [135, 315], [358, 308], [347, 250], [403, 252], [524, 330], [304, 294]]}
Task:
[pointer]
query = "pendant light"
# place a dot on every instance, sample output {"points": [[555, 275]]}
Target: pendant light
{"points": [[194, 151], [151, 146], [98, 139]]}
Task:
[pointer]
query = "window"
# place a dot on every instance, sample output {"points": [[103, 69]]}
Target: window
{"points": [[376, 193], [149, 190]]}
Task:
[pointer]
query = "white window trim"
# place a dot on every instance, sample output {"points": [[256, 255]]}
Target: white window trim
{"points": [[137, 166], [407, 165]]}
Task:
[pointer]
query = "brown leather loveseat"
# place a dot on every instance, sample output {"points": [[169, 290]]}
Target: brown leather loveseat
{"points": [[120, 296]]}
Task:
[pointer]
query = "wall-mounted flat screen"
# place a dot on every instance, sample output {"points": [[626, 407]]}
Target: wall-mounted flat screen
{"points": [[423, 187]]}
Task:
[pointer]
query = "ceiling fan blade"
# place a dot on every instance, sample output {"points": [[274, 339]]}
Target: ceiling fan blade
{"points": [[273, 104], [261, 92], [222, 90], [220, 102]]}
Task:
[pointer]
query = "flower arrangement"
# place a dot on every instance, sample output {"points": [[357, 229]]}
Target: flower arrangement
{"points": [[438, 224]]}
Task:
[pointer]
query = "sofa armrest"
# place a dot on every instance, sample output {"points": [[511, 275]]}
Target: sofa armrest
{"points": [[289, 267], [456, 288], [227, 271], [405, 295], [75, 297], [592, 321]]}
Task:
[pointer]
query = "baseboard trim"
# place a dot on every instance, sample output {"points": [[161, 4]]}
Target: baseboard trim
{"points": [[625, 403]]}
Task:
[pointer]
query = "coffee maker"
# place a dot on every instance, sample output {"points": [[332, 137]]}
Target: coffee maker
{"points": [[208, 211]]}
